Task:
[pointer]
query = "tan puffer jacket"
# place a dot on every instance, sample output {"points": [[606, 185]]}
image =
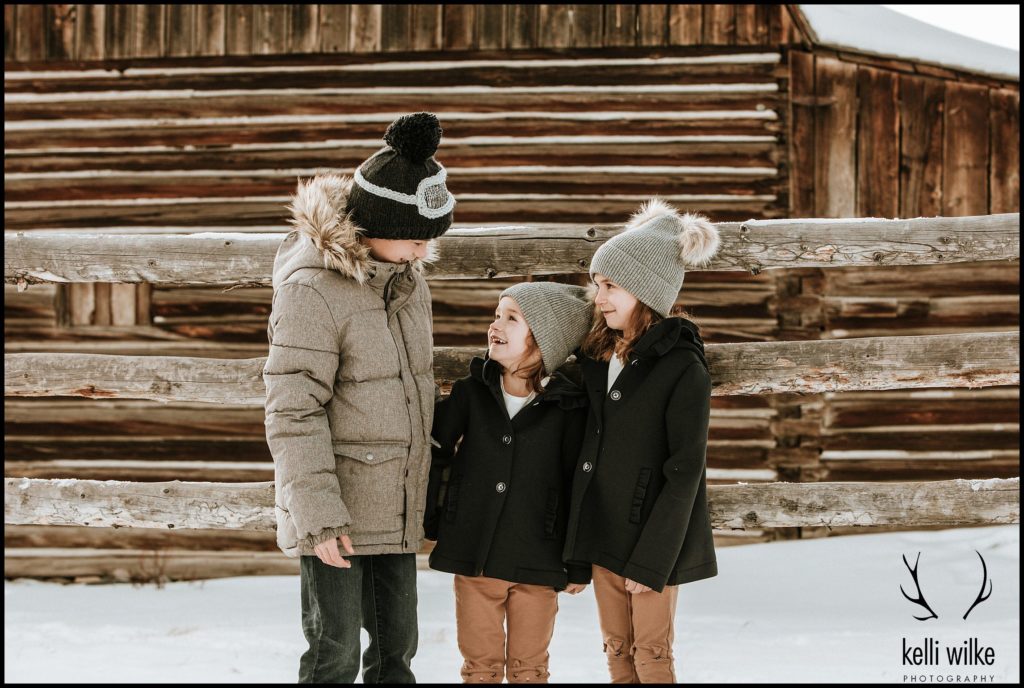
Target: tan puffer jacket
{"points": [[350, 384]]}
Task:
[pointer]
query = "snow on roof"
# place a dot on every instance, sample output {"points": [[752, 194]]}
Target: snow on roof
{"points": [[880, 31]]}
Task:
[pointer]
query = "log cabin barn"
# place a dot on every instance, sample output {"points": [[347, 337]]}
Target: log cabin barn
{"points": [[174, 119]]}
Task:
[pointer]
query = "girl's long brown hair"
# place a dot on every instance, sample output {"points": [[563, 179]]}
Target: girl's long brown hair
{"points": [[602, 340]]}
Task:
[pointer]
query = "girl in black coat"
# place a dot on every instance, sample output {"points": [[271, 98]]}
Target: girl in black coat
{"points": [[509, 438], [639, 509]]}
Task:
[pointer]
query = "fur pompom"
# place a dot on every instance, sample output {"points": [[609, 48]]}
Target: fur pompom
{"points": [[698, 239], [653, 208]]}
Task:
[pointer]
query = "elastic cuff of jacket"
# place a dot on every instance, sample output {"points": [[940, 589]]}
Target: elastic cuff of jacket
{"points": [[655, 580], [327, 534]]}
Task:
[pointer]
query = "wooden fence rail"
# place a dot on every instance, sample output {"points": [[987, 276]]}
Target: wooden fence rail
{"points": [[869, 363], [250, 506], [755, 245]]}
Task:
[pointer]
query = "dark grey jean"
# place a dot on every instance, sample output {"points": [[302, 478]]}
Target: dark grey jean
{"points": [[379, 594]]}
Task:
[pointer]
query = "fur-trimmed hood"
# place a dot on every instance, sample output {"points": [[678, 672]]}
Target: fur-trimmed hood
{"points": [[329, 236]]}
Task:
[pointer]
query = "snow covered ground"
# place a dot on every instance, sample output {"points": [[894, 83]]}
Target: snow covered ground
{"points": [[815, 610]]}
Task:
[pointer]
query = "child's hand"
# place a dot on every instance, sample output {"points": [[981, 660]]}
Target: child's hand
{"points": [[574, 588], [634, 587], [329, 554]]}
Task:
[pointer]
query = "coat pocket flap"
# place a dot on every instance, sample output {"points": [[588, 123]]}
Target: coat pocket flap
{"points": [[370, 453]]}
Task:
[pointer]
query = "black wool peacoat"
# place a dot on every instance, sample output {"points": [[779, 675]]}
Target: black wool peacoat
{"points": [[639, 502], [505, 504], [504, 510]]}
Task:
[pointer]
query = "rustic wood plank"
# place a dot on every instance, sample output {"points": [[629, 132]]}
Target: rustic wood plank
{"points": [[149, 30], [90, 28], [304, 32], [701, 93], [103, 314], [490, 26], [792, 27], [521, 26], [271, 29], [965, 172], [120, 27], [685, 24], [652, 24], [1004, 167], [238, 29], [427, 25], [268, 212], [250, 506], [878, 143], [122, 304], [921, 137], [30, 40], [211, 30], [181, 30], [142, 566], [153, 470], [752, 246], [10, 32], [962, 360], [835, 144], [81, 303], [229, 451], [60, 32], [620, 25], [554, 26], [547, 151], [802, 116], [751, 25], [395, 27], [587, 26], [459, 27], [334, 28], [83, 537], [537, 67], [748, 181], [143, 304], [719, 26]]}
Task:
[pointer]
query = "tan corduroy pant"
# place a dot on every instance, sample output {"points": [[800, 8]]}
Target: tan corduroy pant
{"points": [[481, 607], [637, 629]]}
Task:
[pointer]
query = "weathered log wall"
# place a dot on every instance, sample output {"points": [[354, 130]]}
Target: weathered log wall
{"points": [[41, 33]]}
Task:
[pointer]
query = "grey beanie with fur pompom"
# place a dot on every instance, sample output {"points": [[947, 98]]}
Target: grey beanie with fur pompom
{"points": [[648, 259]]}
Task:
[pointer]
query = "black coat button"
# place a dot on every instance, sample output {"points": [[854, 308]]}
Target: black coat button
{"points": [[507, 439], [587, 466], [616, 395], [500, 487]]}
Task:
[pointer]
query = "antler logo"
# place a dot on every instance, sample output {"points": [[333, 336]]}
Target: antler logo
{"points": [[919, 600]]}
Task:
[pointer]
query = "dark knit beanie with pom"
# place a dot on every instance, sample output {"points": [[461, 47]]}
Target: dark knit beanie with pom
{"points": [[400, 191]]}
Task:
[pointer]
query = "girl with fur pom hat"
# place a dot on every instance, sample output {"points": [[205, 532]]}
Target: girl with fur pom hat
{"points": [[638, 513]]}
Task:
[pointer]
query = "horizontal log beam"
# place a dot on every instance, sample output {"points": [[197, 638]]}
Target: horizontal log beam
{"points": [[958, 360], [755, 245], [141, 565], [250, 506]]}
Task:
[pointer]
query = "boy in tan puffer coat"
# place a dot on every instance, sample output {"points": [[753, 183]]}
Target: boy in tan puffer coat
{"points": [[350, 398]]}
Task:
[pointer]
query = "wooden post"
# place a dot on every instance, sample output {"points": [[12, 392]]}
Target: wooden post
{"points": [[101, 304]]}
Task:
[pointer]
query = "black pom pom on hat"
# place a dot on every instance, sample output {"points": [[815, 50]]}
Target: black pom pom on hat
{"points": [[414, 136]]}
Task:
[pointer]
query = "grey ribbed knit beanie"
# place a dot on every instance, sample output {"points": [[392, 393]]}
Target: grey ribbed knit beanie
{"points": [[558, 315], [648, 258], [399, 191]]}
